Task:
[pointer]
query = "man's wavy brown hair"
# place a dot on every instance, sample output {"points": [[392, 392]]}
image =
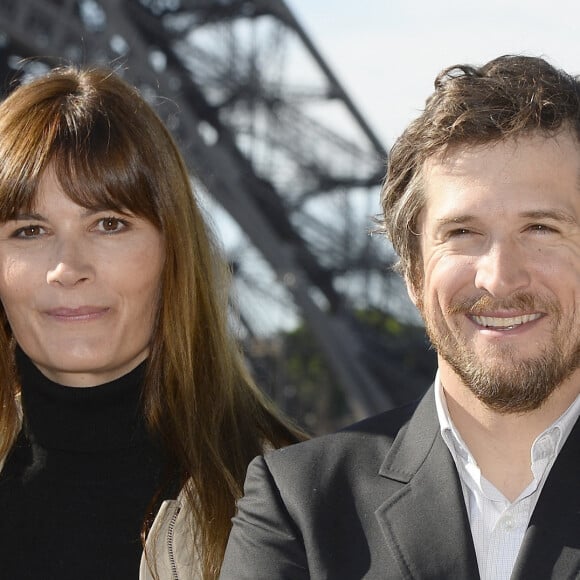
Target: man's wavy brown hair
{"points": [[505, 98]]}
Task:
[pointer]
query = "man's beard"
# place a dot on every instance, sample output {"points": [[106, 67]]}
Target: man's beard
{"points": [[498, 378]]}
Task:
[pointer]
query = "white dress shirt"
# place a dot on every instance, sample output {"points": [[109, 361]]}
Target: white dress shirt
{"points": [[498, 525]]}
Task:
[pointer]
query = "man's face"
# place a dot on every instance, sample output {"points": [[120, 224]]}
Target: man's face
{"points": [[500, 244]]}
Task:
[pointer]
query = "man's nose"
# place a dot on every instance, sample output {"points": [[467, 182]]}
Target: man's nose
{"points": [[503, 269]]}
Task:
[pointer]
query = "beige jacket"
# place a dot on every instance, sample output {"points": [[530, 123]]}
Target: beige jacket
{"points": [[170, 546]]}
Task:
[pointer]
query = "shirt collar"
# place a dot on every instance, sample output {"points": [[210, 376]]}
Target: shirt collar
{"points": [[565, 423], [449, 432], [556, 434]]}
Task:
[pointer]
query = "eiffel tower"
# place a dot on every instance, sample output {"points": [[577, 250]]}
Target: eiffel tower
{"points": [[275, 143]]}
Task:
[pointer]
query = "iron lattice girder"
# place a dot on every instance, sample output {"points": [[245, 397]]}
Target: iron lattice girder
{"points": [[127, 34]]}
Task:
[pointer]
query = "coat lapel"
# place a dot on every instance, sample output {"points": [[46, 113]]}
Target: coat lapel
{"points": [[425, 522], [551, 546]]}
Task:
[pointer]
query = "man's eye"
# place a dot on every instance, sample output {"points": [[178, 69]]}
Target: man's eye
{"points": [[459, 232], [542, 228]]}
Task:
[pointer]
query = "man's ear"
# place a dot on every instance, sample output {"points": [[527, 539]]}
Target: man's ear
{"points": [[412, 291]]}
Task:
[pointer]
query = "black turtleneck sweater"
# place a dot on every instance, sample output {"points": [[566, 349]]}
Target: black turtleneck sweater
{"points": [[76, 487]]}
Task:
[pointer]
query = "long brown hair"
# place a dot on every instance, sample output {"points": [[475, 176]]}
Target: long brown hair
{"points": [[109, 149]]}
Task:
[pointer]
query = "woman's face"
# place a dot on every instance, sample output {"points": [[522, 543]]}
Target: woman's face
{"points": [[80, 287]]}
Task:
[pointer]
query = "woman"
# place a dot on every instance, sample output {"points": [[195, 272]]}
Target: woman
{"points": [[126, 411]]}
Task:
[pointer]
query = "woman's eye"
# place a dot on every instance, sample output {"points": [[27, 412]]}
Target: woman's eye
{"points": [[112, 225], [31, 231]]}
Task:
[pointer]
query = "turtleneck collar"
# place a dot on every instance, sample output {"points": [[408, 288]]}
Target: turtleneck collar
{"points": [[87, 419]]}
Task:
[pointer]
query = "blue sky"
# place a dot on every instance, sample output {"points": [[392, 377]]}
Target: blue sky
{"points": [[387, 52]]}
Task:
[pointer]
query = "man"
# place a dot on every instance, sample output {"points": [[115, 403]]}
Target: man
{"points": [[480, 479]]}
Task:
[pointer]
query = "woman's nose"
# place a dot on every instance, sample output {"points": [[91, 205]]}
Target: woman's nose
{"points": [[71, 265]]}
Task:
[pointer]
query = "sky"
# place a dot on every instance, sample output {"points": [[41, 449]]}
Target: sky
{"points": [[386, 53]]}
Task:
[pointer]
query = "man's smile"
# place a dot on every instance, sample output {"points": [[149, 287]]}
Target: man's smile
{"points": [[505, 322]]}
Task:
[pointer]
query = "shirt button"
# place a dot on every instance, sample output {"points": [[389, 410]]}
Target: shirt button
{"points": [[508, 523]]}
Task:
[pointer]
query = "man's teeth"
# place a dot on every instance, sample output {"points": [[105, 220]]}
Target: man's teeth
{"points": [[506, 323]]}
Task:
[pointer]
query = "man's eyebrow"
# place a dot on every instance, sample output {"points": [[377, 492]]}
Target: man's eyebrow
{"points": [[553, 214], [457, 219]]}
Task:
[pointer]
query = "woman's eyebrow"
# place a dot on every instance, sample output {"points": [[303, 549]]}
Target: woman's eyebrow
{"points": [[33, 216], [28, 217]]}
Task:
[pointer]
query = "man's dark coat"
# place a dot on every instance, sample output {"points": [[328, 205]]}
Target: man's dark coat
{"points": [[382, 500]]}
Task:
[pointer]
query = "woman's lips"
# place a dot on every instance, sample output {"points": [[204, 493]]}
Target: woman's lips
{"points": [[77, 314]]}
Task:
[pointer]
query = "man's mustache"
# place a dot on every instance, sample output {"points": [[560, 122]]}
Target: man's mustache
{"points": [[521, 301]]}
